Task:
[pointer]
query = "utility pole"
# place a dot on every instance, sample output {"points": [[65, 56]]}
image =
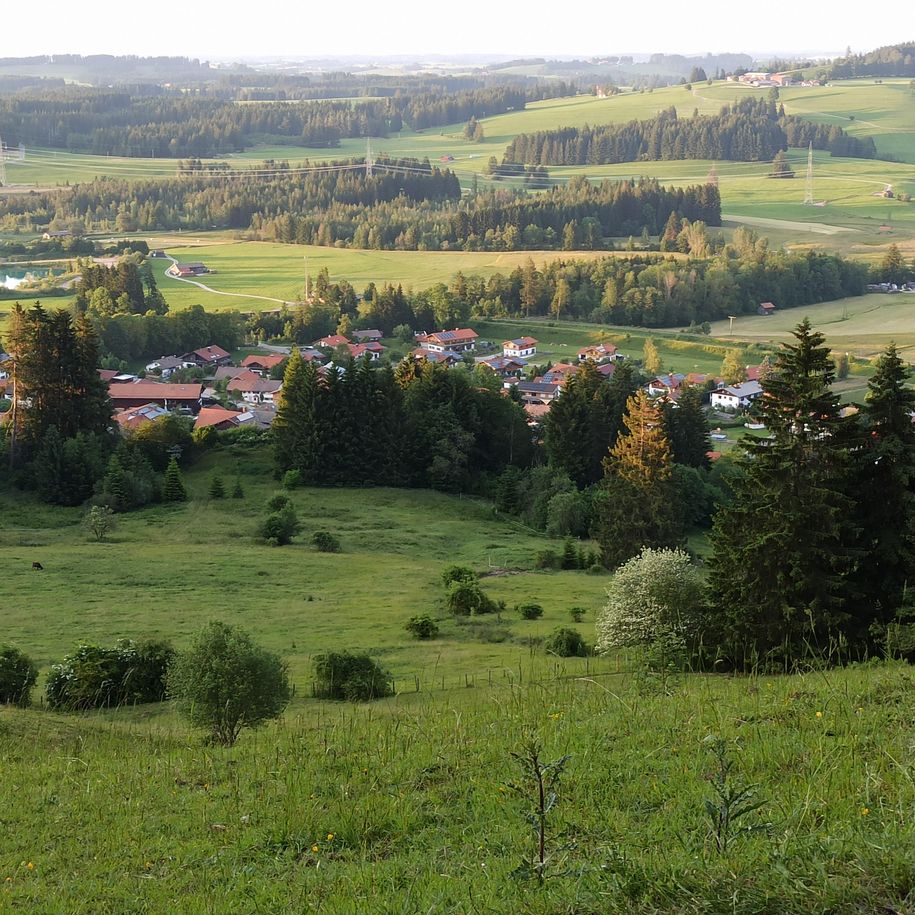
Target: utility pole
{"points": [[2, 165], [306, 276], [808, 190], [368, 158], [731, 325]]}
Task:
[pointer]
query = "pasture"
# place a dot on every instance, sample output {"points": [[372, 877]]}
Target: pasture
{"points": [[851, 216], [863, 325], [169, 570]]}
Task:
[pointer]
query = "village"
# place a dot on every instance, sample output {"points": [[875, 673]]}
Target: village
{"points": [[210, 387]]}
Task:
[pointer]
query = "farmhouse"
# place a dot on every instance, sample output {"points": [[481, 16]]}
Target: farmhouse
{"points": [[332, 341], [259, 391], [367, 336], [165, 365], [372, 350], [445, 357], [521, 348], [736, 396], [170, 396], [219, 418], [130, 420], [666, 385], [263, 364], [765, 308], [208, 356], [457, 341], [539, 392], [503, 367], [598, 353], [50, 236], [559, 373], [185, 270]]}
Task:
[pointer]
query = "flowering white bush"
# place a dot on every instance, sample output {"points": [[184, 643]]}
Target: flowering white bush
{"points": [[653, 596]]}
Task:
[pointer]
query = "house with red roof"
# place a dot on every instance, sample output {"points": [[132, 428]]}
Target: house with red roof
{"points": [[504, 367], [332, 341], [169, 396], [219, 418], [263, 364], [599, 352], [209, 357], [522, 348], [359, 350], [457, 341], [133, 418], [257, 391], [444, 357]]}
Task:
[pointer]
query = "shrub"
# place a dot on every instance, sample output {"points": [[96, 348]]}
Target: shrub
{"points": [[546, 559], [656, 596], [97, 677], [458, 573], [225, 683], [530, 611], [278, 501], [569, 555], [17, 676], [325, 542], [466, 597], [292, 479], [577, 614], [422, 627], [566, 642], [280, 527], [356, 677], [238, 492], [100, 522], [217, 487]]}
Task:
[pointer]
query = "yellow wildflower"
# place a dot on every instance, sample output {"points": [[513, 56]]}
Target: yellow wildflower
{"points": [[865, 811], [819, 714], [30, 866], [330, 837], [314, 848]]}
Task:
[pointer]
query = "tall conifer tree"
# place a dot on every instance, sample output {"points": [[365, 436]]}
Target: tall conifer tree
{"points": [[782, 553]]}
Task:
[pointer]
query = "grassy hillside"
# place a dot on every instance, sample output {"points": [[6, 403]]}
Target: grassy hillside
{"points": [[169, 570], [417, 804], [862, 325]]}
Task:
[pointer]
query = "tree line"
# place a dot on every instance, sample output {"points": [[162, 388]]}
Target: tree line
{"points": [[404, 204], [175, 124], [416, 425], [891, 60], [750, 130]]}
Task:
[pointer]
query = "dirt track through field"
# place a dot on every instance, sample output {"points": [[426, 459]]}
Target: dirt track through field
{"points": [[819, 228]]}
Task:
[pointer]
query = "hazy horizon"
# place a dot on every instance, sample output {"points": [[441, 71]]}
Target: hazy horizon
{"points": [[213, 31]]}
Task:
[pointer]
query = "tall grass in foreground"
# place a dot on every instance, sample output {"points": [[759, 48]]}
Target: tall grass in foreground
{"points": [[407, 805]]}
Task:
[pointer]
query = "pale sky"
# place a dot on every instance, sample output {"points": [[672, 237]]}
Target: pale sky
{"points": [[211, 30]]}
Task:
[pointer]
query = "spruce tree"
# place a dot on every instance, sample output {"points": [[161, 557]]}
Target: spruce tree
{"points": [[217, 487], [782, 547], [687, 430], [637, 505], [238, 492], [884, 483], [173, 489]]}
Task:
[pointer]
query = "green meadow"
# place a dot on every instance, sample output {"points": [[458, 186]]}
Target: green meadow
{"points": [[863, 325], [277, 271], [168, 571]]}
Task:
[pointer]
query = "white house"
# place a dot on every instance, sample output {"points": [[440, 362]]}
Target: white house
{"points": [[521, 348], [735, 396]]}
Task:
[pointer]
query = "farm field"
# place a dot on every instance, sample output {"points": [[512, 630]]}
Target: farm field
{"points": [[168, 571], [848, 189], [862, 325], [278, 270]]}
